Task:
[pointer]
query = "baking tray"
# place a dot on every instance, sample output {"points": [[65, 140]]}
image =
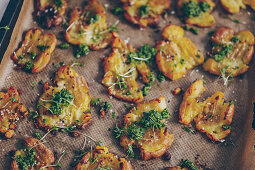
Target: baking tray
{"points": [[195, 147]]}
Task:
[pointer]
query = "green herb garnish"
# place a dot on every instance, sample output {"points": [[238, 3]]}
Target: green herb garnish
{"points": [[95, 102], [81, 51], [191, 29], [28, 66], [161, 77], [135, 132], [188, 164], [42, 48], [235, 39], [63, 46], [147, 86], [27, 160], [130, 151], [105, 106], [117, 11], [146, 54], [225, 127], [144, 10], [193, 9], [225, 50]]}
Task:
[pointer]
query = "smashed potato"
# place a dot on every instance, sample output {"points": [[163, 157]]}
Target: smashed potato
{"points": [[231, 53], [234, 6], [35, 155], [60, 5], [67, 104], [35, 51], [100, 157], [177, 54], [197, 12], [121, 74], [212, 116], [88, 26], [144, 12], [146, 130], [11, 110]]}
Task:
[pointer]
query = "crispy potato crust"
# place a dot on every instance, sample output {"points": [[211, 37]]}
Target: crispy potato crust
{"points": [[133, 11], [211, 116], [103, 159], [177, 54], [43, 155], [116, 66], [33, 39], [11, 111], [77, 112], [236, 62], [154, 143], [203, 20], [83, 29], [42, 4]]}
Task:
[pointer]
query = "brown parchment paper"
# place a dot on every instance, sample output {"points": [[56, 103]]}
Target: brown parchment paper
{"points": [[185, 145]]}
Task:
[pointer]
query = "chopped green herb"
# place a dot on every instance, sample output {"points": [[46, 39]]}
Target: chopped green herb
{"points": [[27, 160], [113, 115], [81, 51], [32, 85], [144, 10], [204, 80], [42, 48], [13, 99], [225, 127], [187, 129], [117, 11], [37, 135], [118, 132], [28, 66], [105, 106], [76, 63], [5, 27], [33, 55], [231, 102], [113, 28], [204, 6], [130, 151], [191, 9], [210, 33], [93, 19], [210, 116], [95, 102], [225, 50], [99, 143], [135, 132], [40, 82], [63, 46], [235, 39], [191, 29], [147, 86], [58, 3], [188, 164], [61, 63], [146, 54], [161, 77]]}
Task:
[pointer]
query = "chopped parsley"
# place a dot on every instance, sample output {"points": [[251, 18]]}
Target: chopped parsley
{"points": [[82, 50], [225, 50], [204, 6], [42, 48], [193, 9], [117, 11], [28, 66], [27, 160], [161, 77], [146, 54], [130, 151], [33, 55], [235, 39], [63, 46], [13, 99], [105, 106], [95, 102], [93, 19], [135, 132], [144, 10], [191, 29], [40, 82], [32, 85], [188, 164], [37, 135], [231, 102], [225, 127], [58, 3], [147, 86]]}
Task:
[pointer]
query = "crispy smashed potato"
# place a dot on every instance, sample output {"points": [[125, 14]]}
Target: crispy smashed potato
{"points": [[197, 12], [144, 12], [231, 53], [234, 6], [11, 110], [38, 153], [35, 51], [66, 104], [212, 116], [103, 159], [121, 74], [50, 12], [155, 141], [177, 54], [88, 26]]}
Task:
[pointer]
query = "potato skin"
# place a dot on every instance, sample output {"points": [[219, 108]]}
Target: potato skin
{"points": [[76, 114], [151, 147], [132, 11], [238, 59], [33, 38], [204, 20], [89, 30], [11, 111], [106, 159], [212, 116], [43, 155], [116, 64], [176, 54]]}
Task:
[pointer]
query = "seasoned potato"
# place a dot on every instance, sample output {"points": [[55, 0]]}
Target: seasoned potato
{"points": [[212, 116], [40, 155], [35, 51], [88, 26], [120, 74], [231, 52], [197, 12], [144, 12], [67, 103], [155, 141], [234, 6], [177, 53], [103, 159], [11, 111], [60, 5]]}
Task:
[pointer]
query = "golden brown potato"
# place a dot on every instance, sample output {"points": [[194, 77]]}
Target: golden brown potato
{"points": [[40, 155], [60, 5], [35, 51], [155, 141], [212, 116], [11, 111], [144, 12], [234, 6], [120, 74], [231, 53], [177, 53], [88, 26], [100, 157], [196, 13], [67, 103]]}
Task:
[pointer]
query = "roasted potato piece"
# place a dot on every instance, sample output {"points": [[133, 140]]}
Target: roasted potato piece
{"points": [[120, 74], [11, 111], [231, 52], [197, 12], [34, 152], [102, 159], [144, 12], [88, 26], [234, 6], [50, 12], [212, 116], [35, 51], [66, 104], [177, 53], [154, 141]]}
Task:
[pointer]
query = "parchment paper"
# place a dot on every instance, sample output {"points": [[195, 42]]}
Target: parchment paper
{"points": [[185, 145]]}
